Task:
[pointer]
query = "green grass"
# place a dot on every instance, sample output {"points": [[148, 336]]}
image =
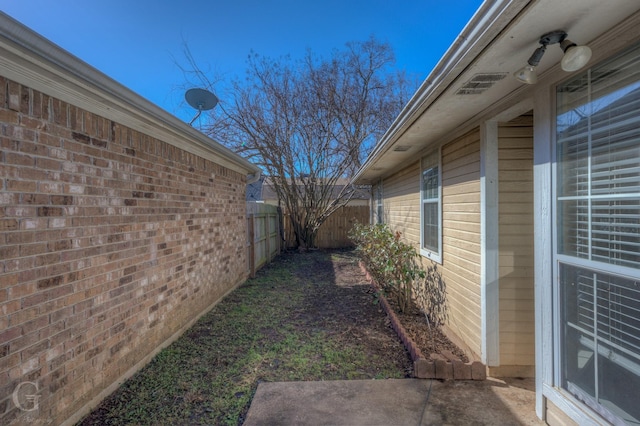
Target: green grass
{"points": [[260, 332]]}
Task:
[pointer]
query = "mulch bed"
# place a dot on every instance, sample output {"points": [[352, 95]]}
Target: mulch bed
{"points": [[428, 338], [434, 356]]}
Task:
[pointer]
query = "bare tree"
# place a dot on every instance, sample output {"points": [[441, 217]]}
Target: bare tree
{"points": [[310, 124]]}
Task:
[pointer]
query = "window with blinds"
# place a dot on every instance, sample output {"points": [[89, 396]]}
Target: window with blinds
{"points": [[598, 235], [430, 198], [379, 203], [599, 168]]}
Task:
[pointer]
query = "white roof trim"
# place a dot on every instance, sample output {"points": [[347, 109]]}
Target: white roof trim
{"points": [[31, 60]]}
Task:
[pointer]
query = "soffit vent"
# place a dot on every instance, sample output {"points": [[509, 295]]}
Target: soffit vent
{"points": [[401, 148], [480, 83]]}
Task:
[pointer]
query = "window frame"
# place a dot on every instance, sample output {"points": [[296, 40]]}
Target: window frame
{"points": [[379, 203], [429, 253], [563, 259]]}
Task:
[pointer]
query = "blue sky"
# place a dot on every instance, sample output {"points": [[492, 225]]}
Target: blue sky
{"points": [[137, 42]]}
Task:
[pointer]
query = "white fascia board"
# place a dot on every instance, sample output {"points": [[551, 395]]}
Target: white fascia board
{"points": [[31, 60]]}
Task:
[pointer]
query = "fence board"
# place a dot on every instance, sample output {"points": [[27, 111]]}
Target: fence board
{"points": [[263, 235], [333, 233]]}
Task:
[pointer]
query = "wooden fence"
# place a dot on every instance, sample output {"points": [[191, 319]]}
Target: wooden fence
{"points": [[333, 232], [269, 231], [263, 234]]}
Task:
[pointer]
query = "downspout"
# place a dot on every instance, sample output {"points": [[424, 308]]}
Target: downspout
{"points": [[254, 177]]}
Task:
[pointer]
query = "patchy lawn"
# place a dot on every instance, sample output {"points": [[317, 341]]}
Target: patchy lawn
{"points": [[307, 316]]}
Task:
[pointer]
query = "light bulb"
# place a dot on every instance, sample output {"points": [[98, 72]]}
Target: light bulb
{"points": [[575, 57], [527, 74]]}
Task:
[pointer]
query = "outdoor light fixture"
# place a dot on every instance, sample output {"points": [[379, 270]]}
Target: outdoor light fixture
{"points": [[575, 57]]}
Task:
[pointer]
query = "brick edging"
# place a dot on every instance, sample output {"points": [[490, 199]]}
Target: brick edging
{"points": [[423, 368]]}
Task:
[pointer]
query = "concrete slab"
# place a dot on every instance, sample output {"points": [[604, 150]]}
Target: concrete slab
{"points": [[394, 402]]}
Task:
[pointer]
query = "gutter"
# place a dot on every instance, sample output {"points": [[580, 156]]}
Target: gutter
{"points": [[31, 60], [254, 177], [488, 21]]}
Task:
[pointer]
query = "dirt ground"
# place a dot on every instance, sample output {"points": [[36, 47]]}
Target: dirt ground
{"points": [[348, 310], [428, 339]]}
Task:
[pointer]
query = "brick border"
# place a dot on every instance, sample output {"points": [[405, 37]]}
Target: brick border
{"points": [[445, 366]]}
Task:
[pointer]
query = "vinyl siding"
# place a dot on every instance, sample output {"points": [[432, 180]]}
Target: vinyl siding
{"points": [[460, 268], [401, 204], [556, 417], [516, 236], [461, 236]]}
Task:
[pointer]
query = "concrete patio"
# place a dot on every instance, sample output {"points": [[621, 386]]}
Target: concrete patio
{"points": [[395, 402]]}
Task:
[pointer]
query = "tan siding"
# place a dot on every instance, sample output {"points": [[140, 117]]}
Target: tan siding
{"points": [[461, 236], [461, 229], [556, 417], [515, 174], [402, 203], [458, 226]]}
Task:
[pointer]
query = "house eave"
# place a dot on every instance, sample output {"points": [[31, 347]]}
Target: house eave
{"points": [[484, 26], [33, 61], [497, 41]]}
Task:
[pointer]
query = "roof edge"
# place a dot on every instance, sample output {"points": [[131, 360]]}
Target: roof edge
{"points": [[30, 59], [487, 22]]}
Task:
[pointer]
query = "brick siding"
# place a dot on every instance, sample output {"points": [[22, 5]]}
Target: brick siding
{"points": [[111, 241]]}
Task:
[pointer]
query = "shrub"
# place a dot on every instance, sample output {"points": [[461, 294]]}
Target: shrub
{"points": [[391, 262]]}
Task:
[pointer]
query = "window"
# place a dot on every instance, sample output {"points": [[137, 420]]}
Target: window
{"points": [[430, 198], [379, 212], [598, 236]]}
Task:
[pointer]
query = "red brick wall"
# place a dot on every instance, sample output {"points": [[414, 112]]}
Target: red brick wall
{"points": [[110, 242]]}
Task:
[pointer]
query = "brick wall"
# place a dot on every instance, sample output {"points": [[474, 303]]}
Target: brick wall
{"points": [[111, 241]]}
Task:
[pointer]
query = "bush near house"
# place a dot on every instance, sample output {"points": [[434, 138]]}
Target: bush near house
{"points": [[392, 263], [395, 266]]}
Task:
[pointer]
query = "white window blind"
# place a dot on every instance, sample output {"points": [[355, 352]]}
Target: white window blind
{"points": [[610, 300], [430, 195], [599, 164], [598, 236]]}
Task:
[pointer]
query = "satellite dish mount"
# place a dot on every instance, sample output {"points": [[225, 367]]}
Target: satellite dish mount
{"points": [[200, 99]]}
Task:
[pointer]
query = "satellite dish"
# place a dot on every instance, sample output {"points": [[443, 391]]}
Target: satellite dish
{"points": [[200, 99]]}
